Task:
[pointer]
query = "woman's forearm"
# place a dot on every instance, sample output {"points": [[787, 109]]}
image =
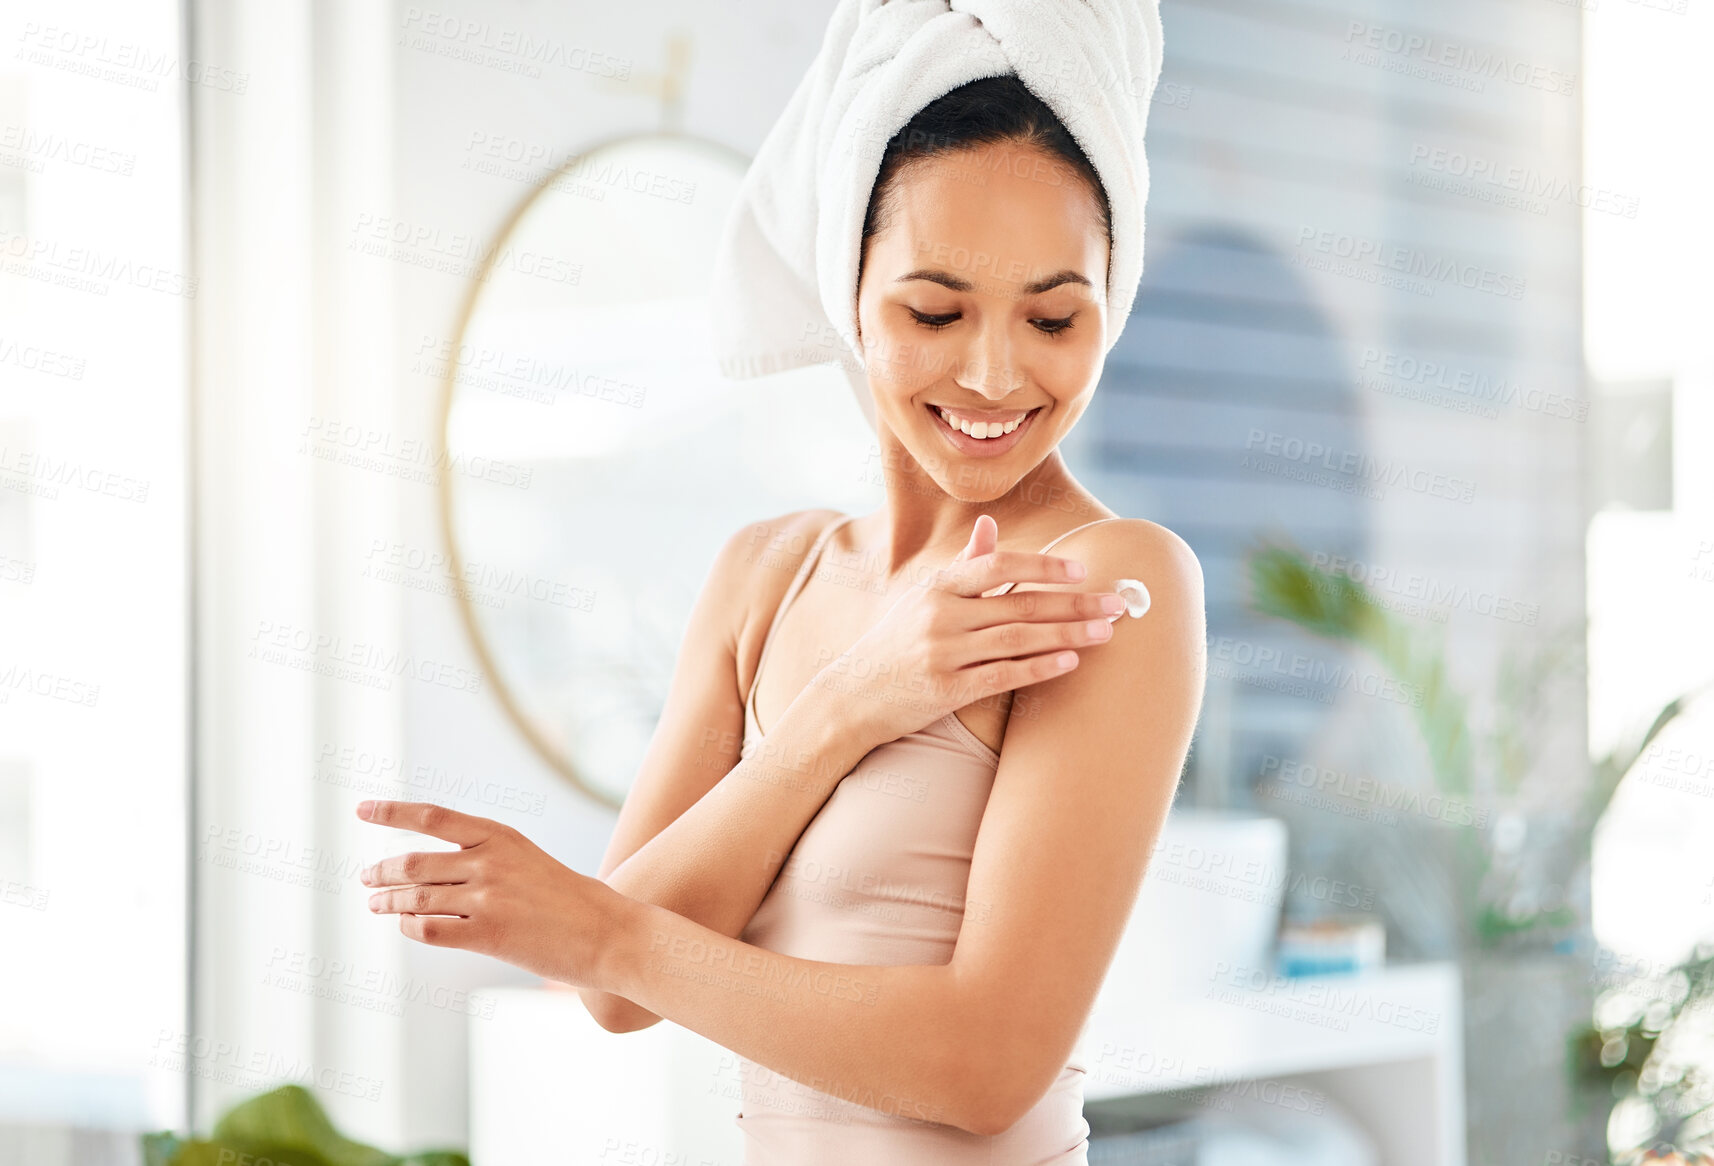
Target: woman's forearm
{"points": [[715, 862], [896, 1039]]}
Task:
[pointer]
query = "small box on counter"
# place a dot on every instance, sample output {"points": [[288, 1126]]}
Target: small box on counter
{"points": [[1330, 945]]}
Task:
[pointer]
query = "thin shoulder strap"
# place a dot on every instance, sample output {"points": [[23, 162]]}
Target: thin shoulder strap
{"points": [[1005, 587], [1055, 541], [796, 585]]}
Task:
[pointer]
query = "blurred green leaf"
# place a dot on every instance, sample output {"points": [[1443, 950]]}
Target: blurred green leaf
{"points": [[233, 1151], [1286, 585], [288, 1126], [291, 1116]]}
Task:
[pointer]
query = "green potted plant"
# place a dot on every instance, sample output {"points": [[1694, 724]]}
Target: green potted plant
{"points": [[1287, 586], [286, 1127], [1524, 954]]}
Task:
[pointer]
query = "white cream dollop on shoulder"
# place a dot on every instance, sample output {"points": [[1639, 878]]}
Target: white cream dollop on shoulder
{"points": [[1136, 598]]}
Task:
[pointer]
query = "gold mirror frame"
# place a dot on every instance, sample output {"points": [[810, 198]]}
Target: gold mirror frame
{"points": [[515, 712]]}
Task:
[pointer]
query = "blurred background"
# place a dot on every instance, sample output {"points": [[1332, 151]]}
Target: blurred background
{"points": [[358, 438]]}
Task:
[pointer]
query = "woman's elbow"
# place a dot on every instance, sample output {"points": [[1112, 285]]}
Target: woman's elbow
{"points": [[988, 1117], [987, 1120], [1002, 1099], [615, 1013]]}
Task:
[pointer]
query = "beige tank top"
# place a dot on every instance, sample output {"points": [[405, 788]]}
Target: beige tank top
{"points": [[878, 877]]}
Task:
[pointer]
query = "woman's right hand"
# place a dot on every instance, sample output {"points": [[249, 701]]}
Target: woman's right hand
{"points": [[945, 644]]}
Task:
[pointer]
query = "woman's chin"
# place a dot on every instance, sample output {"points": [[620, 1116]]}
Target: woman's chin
{"points": [[970, 479]]}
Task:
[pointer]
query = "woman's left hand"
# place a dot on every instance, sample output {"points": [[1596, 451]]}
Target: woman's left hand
{"points": [[500, 894]]}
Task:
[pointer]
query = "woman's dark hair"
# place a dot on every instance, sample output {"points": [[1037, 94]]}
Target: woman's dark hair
{"points": [[978, 113]]}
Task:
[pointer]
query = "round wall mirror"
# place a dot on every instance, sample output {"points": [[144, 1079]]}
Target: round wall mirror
{"points": [[599, 459]]}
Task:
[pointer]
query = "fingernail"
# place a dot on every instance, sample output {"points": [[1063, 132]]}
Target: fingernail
{"points": [[374, 902], [1099, 629], [1076, 570], [1112, 604], [364, 874], [365, 809], [1065, 659]]}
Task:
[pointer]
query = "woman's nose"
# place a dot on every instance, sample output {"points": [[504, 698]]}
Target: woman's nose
{"points": [[987, 364]]}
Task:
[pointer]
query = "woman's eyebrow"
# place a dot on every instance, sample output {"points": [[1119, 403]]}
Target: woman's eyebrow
{"points": [[1065, 276], [933, 275], [947, 279]]}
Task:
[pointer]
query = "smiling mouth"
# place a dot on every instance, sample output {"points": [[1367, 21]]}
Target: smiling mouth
{"points": [[980, 428], [1000, 432]]}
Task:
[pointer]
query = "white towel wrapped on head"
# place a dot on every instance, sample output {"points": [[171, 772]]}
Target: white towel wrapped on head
{"points": [[785, 281]]}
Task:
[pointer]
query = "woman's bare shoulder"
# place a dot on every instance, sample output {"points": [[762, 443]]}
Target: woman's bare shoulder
{"points": [[1133, 548], [1140, 538], [756, 564]]}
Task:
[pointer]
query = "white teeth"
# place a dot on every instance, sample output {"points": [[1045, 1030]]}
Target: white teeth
{"points": [[980, 429]]}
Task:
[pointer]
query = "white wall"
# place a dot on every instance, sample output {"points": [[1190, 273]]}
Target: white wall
{"points": [[94, 307], [745, 60]]}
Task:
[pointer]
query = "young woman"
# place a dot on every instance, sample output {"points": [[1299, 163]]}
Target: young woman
{"points": [[857, 854]]}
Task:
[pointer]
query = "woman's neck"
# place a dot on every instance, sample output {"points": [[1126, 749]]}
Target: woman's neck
{"points": [[921, 524]]}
